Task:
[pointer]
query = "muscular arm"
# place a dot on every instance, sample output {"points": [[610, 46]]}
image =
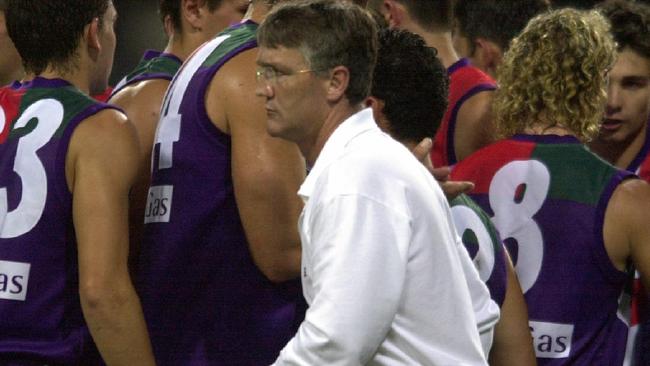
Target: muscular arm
{"points": [[141, 102], [100, 168], [627, 227], [266, 171], [474, 128], [513, 344]]}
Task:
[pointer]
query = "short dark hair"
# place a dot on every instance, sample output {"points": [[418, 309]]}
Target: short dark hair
{"points": [[328, 33], [172, 8], [47, 32], [576, 4], [413, 84], [630, 25], [496, 20], [432, 15]]}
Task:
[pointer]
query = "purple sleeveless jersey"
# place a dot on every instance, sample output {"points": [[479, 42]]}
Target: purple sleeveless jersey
{"points": [[205, 301], [547, 196], [40, 315]]}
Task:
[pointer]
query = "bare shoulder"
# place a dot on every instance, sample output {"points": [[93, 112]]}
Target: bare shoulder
{"points": [[626, 229], [232, 90], [106, 140], [630, 198], [146, 95]]}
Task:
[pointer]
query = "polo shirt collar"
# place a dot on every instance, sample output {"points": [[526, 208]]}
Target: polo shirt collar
{"points": [[335, 147]]}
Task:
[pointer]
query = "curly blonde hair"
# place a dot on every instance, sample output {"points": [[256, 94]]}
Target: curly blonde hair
{"points": [[555, 74]]}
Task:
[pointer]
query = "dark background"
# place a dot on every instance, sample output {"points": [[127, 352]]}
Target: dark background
{"points": [[138, 28]]}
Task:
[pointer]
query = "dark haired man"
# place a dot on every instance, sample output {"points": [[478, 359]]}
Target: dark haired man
{"points": [[409, 91], [483, 28], [370, 273], [220, 237], [188, 24], [467, 122], [67, 164], [623, 139]]}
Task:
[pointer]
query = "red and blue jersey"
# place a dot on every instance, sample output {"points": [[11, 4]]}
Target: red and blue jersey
{"points": [[465, 81]]}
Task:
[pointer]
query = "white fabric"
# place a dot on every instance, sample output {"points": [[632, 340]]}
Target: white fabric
{"points": [[381, 270], [485, 309]]}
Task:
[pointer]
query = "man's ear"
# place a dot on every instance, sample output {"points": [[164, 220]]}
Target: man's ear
{"points": [[191, 13], [338, 83], [377, 106], [91, 37], [393, 13], [487, 55]]}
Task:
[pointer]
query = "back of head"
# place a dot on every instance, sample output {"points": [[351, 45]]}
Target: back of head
{"points": [[630, 23], [554, 74], [413, 84], [432, 15], [498, 21], [576, 4], [328, 33], [47, 33]]}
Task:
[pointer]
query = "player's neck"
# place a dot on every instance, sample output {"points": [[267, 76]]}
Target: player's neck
{"points": [[619, 154], [443, 43], [548, 129], [257, 11], [79, 77], [182, 44]]}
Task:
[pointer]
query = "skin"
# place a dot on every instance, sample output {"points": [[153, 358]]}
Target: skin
{"points": [[512, 343], [142, 101], [624, 128], [626, 230], [474, 127], [266, 171], [100, 169], [486, 54]]}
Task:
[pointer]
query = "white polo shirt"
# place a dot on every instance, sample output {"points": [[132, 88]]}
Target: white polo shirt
{"points": [[381, 270]]}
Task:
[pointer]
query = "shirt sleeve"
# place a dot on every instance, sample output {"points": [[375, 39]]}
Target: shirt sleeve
{"points": [[357, 263]]}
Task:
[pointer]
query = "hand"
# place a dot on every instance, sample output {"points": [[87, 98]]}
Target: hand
{"points": [[450, 188]]}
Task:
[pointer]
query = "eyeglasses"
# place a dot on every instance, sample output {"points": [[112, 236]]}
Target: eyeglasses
{"points": [[270, 74]]}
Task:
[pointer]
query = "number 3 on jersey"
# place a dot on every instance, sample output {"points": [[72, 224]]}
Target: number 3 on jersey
{"points": [[48, 114], [517, 191]]}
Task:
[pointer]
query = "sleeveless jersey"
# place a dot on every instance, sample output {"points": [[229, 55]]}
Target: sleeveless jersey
{"points": [[153, 65], [39, 286], [205, 301], [547, 196], [483, 244], [465, 81]]}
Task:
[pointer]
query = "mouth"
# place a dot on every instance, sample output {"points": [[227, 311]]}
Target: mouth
{"points": [[610, 124]]}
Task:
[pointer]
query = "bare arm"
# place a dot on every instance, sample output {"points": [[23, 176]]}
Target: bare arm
{"points": [[141, 102], [513, 344], [627, 227], [100, 168], [266, 171], [474, 128]]}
